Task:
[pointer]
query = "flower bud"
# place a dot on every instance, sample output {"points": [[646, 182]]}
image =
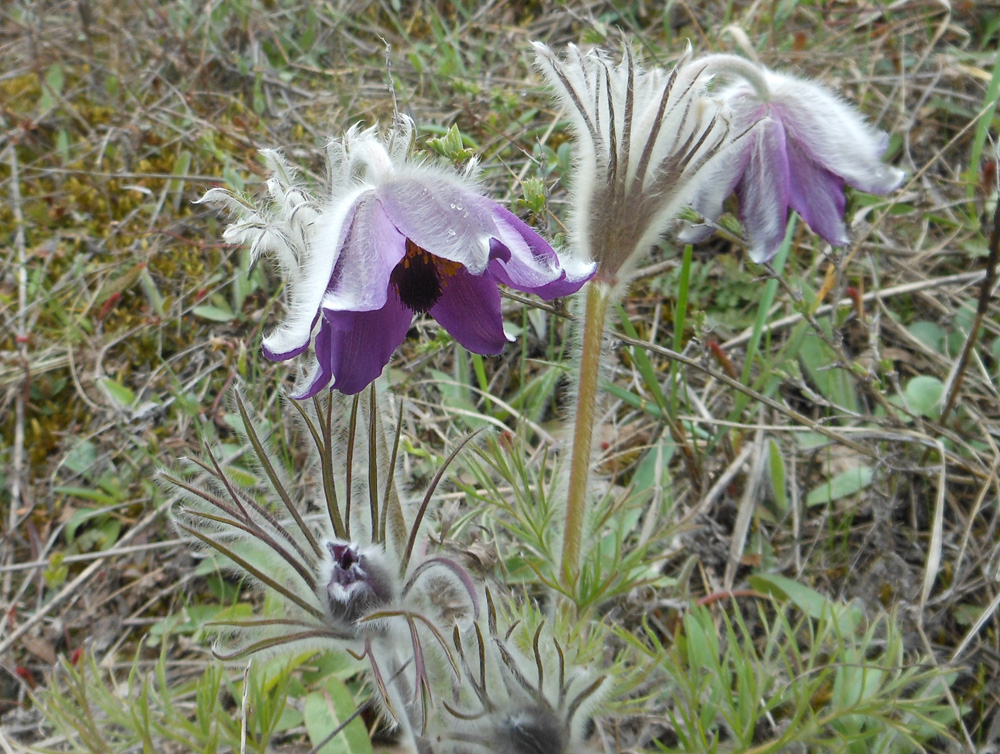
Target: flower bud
{"points": [[359, 581]]}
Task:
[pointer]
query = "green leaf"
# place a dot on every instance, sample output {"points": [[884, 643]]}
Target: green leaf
{"points": [[702, 641], [54, 81], [81, 457], [121, 394], [452, 146], [78, 519], [151, 291], [86, 493], [833, 383], [326, 711], [533, 190], [923, 396], [778, 477], [654, 469], [809, 601], [846, 483], [56, 572], [62, 145], [931, 334], [329, 665], [213, 313]]}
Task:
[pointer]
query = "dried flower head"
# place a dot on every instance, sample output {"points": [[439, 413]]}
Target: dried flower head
{"points": [[644, 141], [391, 238]]}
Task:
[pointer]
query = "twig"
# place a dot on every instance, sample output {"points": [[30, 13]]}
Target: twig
{"points": [[88, 556], [835, 435], [4, 744], [791, 319], [801, 419], [898, 290], [747, 507], [720, 486], [985, 293], [21, 335]]}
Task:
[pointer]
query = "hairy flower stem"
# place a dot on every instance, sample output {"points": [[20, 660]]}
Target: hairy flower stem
{"points": [[598, 294]]}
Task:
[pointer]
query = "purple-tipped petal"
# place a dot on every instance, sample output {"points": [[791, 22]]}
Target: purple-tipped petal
{"points": [[763, 192], [826, 144], [363, 342], [390, 238], [817, 195], [531, 264], [322, 371], [439, 214], [878, 179], [373, 246], [284, 356], [469, 309]]}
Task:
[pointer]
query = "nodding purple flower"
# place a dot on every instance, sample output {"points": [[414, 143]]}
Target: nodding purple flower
{"points": [[805, 144], [359, 581], [392, 238]]}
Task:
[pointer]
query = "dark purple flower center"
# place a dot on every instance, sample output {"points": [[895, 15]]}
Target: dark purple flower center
{"points": [[359, 582], [346, 564], [420, 277]]}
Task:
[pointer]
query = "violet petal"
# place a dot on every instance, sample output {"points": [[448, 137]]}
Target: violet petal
{"points": [[532, 265], [307, 286], [763, 192], [833, 133], [372, 248], [438, 213], [817, 195], [322, 371], [272, 356], [363, 342], [469, 309]]}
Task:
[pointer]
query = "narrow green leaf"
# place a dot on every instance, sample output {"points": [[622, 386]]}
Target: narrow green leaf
{"points": [[122, 395], [328, 710], [809, 601], [643, 363], [845, 483], [213, 313], [778, 476]]}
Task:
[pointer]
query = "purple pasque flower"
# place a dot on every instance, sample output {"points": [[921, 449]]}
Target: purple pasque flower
{"points": [[805, 145], [392, 238]]}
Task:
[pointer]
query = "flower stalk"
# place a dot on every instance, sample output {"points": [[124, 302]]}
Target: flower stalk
{"points": [[598, 296]]}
